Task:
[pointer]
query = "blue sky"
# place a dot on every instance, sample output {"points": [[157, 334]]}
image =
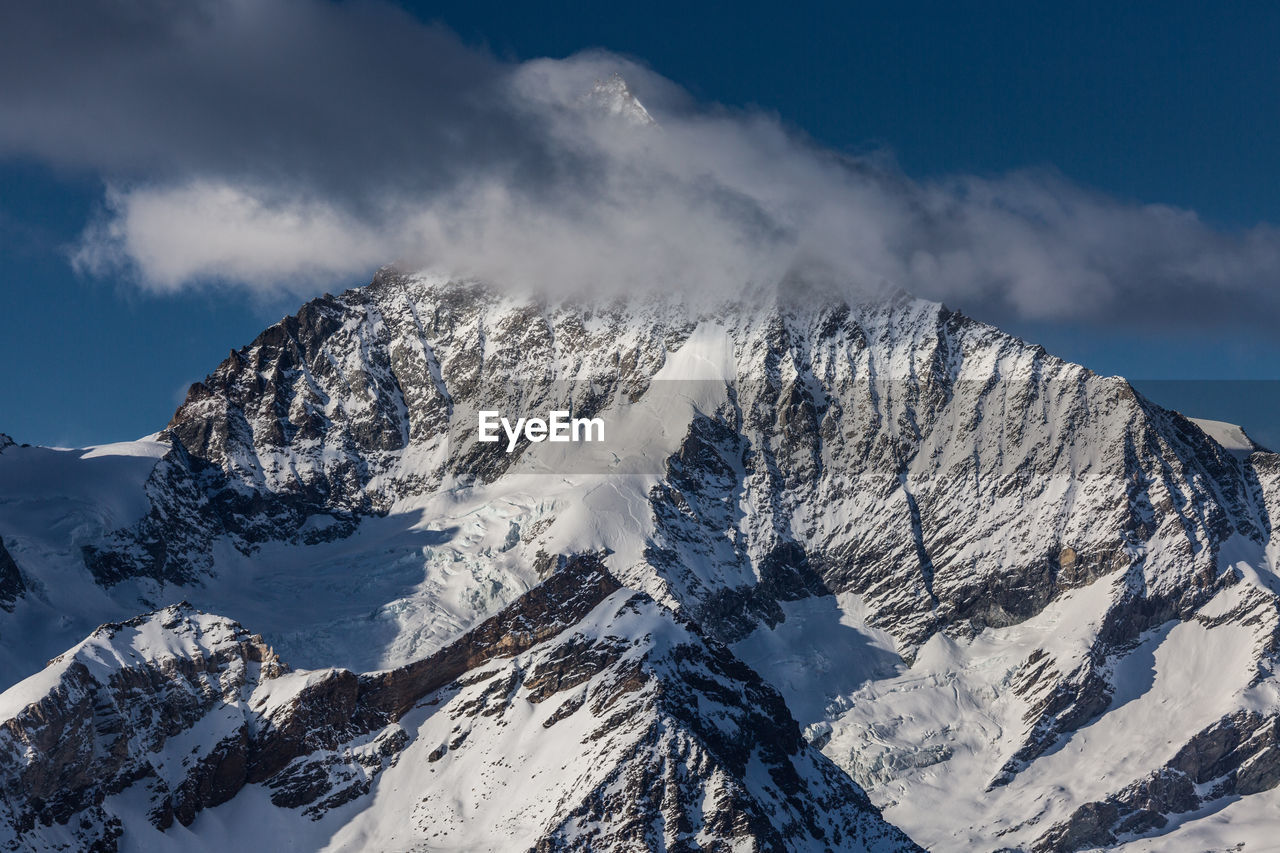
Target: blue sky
{"points": [[1174, 105]]}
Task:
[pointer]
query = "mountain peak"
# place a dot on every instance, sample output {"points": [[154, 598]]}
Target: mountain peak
{"points": [[613, 96]]}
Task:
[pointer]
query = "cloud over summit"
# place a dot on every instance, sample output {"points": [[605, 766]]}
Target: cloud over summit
{"points": [[292, 144]]}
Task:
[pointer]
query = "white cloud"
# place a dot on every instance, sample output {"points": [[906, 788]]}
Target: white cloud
{"points": [[205, 231], [365, 138]]}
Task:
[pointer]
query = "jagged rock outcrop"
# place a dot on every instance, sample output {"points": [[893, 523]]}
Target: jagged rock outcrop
{"points": [[11, 584], [1237, 756], [97, 720]]}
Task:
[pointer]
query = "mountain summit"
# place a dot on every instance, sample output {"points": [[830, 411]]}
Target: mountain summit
{"points": [[612, 96]]}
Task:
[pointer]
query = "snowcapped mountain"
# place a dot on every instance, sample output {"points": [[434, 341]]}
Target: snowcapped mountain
{"points": [[835, 558]]}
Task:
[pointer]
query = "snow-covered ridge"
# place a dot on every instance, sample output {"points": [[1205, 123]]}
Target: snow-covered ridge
{"points": [[1232, 437], [150, 729]]}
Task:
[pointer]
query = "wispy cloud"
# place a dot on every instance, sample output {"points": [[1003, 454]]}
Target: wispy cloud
{"points": [[294, 143]]}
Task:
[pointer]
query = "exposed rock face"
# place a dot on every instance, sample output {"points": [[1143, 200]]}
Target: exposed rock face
{"points": [[11, 585], [183, 710], [1236, 756], [97, 721], [701, 723]]}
